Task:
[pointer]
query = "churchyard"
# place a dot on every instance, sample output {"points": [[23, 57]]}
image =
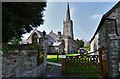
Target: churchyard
{"points": [[35, 58]]}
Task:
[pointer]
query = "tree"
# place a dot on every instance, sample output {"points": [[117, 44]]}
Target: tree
{"points": [[20, 18], [87, 46], [80, 43]]}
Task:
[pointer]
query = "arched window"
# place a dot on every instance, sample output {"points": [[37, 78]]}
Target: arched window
{"points": [[34, 38]]}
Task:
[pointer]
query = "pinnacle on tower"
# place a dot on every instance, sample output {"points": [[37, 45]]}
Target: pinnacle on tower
{"points": [[68, 13]]}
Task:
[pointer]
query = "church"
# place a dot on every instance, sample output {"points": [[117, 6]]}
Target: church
{"points": [[57, 42]]}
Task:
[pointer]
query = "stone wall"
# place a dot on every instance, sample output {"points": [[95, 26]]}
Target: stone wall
{"points": [[23, 63], [113, 43], [1, 64], [113, 56], [109, 40]]}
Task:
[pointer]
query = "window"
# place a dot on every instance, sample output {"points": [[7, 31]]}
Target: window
{"points": [[67, 26], [34, 38]]}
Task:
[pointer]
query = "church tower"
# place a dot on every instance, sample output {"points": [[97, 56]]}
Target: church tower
{"points": [[68, 24]]}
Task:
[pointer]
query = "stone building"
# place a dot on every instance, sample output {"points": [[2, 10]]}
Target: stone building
{"points": [[57, 42], [107, 36]]}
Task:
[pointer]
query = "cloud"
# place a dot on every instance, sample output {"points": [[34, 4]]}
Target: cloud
{"points": [[96, 16]]}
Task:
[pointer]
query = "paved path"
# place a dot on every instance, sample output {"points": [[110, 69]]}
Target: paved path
{"points": [[53, 69]]}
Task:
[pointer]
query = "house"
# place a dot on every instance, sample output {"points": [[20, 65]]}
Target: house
{"points": [[57, 47], [107, 36]]}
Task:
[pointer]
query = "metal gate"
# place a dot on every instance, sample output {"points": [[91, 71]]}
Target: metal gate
{"points": [[82, 64], [85, 65]]}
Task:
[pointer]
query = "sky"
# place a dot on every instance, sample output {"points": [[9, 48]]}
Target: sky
{"points": [[86, 17]]}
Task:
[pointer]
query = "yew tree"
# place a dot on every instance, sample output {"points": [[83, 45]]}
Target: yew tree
{"points": [[20, 17]]}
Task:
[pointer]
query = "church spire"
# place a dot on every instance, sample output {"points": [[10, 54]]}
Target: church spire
{"points": [[68, 13], [68, 24]]}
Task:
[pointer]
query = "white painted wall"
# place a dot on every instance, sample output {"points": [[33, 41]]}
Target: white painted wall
{"points": [[94, 44]]}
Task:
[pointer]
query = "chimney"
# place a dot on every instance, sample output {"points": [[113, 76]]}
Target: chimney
{"points": [[59, 33]]}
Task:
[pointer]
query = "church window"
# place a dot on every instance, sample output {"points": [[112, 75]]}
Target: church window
{"points": [[34, 38]]}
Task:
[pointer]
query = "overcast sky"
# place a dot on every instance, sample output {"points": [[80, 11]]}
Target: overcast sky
{"points": [[85, 15]]}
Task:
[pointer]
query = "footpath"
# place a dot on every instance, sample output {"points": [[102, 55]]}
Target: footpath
{"points": [[53, 69]]}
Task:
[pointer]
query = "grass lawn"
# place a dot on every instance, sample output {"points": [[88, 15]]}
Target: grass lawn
{"points": [[72, 54], [53, 58]]}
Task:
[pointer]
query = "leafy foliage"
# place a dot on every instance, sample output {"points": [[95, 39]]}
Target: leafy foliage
{"points": [[6, 49], [19, 18], [80, 43], [14, 41]]}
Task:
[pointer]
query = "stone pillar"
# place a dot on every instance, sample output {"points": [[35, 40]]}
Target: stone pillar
{"points": [[1, 53], [113, 56], [45, 55], [0, 24]]}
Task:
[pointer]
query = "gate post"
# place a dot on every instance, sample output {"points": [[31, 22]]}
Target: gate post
{"points": [[104, 66], [63, 62], [101, 63]]}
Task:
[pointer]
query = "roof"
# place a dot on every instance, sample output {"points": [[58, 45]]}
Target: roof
{"points": [[103, 19], [50, 38], [68, 13], [56, 43], [53, 35], [40, 33], [112, 9], [100, 25]]}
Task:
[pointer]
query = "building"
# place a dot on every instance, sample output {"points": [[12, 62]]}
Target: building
{"points": [[107, 36], [57, 42]]}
